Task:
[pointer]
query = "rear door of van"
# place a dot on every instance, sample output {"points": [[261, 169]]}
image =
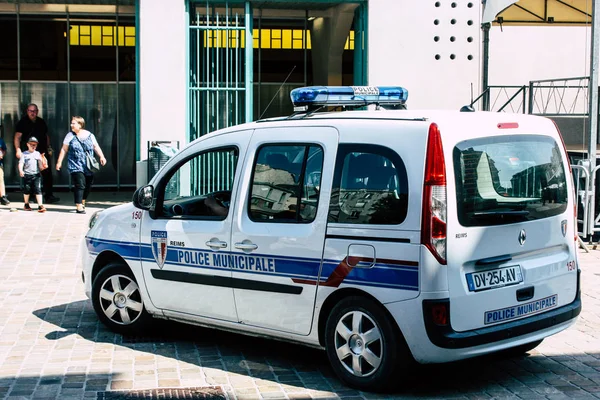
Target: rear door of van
{"points": [[372, 240], [511, 252]]}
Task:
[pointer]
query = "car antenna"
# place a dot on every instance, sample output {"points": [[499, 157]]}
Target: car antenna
{"points": [[469, 107], [275, 95], [471, 93]]}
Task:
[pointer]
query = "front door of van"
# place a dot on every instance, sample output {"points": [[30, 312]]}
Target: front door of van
{"points": [[279, 228], [183, 244]]}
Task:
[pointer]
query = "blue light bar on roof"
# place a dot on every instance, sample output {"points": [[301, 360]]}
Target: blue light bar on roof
{"points": [[313, 96]]}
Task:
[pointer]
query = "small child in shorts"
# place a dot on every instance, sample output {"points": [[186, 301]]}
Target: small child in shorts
{"points": [[31, 164]]}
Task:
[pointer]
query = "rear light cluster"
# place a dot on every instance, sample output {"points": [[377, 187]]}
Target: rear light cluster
{"points": [[440, 314], [434, 218]]}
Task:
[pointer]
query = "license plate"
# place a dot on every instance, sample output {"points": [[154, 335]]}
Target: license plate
{"points": [[494, 278]]}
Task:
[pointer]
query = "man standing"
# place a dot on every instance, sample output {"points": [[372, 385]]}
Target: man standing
{"points": [[32, 125]]}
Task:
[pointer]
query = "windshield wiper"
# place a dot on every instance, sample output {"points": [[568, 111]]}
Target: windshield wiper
{"points": [[501, 213]]}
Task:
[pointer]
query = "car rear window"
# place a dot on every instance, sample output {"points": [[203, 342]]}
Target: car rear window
{"points": [[507, 179]]}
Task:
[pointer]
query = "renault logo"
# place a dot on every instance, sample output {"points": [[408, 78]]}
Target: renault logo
{"points": [[522, 237]]}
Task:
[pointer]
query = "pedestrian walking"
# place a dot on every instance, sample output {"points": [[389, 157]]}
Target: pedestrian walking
{"points": [[3, 199], [31, 164], [79, 144], [32, 125]]}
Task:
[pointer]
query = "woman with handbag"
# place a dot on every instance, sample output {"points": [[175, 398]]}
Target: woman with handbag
{"points": [[80, 145]]}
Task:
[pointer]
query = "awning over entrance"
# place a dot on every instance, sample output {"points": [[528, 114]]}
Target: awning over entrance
{"points": [[558, 12]]}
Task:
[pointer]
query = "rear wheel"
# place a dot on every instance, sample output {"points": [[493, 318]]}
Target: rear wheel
{"points": [[117, 300], [365, 349]]}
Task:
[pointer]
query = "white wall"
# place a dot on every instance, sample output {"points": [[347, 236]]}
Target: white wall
{"points": [[402, 50], [519, 54], [163, 71]]}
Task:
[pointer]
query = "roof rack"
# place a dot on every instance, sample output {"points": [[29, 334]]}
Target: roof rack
{"points": [[310, 99]]}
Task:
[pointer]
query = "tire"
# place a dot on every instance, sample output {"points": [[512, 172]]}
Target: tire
{"points": [[120, 308], [370, 353], [522, 349]]}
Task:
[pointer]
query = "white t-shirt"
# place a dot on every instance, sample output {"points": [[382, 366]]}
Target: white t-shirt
{"points": [[83, 135], [30, 162]]}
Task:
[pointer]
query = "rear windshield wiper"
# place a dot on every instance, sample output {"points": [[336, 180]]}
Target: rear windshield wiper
{"points": [[500, 213]]}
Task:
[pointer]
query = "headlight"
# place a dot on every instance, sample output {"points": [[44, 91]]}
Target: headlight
{"points": [[94, 218]]}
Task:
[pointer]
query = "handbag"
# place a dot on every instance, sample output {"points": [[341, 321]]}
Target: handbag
{"points": [[90, 161]]}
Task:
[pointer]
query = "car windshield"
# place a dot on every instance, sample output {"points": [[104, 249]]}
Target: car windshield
{"points": [[501, 180]]}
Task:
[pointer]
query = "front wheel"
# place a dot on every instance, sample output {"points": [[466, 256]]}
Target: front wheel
{"points": [[117, 300], [365, 349]]}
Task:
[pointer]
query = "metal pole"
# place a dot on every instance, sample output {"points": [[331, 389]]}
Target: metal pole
{"points": [[249, 100], [485, 74], [593, 107], [531, 97]]}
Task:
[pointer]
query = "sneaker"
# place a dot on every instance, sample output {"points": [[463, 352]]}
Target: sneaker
{"points": [[4, 201], [41, 209], [27, 207], [52, 199]]}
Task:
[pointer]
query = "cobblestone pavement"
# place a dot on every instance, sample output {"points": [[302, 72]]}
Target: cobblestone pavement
{"points": [[53, 347]]}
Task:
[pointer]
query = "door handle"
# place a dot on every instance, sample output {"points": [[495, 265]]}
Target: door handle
{"points": [[216, 244], [246, 246]]}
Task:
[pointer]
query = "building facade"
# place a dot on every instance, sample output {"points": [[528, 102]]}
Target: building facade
{"points": [[147, 71]]}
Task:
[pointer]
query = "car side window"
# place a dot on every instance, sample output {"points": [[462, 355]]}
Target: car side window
{"points": [[285, 183], [370, 186], [201, 186]]}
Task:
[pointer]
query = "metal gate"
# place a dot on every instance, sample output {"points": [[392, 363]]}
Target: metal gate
{"points": [[220, 60]]}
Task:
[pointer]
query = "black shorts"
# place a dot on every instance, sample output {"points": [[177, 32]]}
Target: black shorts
{"points": [[32, 184]]}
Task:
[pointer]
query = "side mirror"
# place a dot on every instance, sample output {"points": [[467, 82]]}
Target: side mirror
{"points": [[144, 197]]}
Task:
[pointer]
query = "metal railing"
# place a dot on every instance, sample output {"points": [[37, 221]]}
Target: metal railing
{"points": [[585, 188], [494, 95], [564, 96]]}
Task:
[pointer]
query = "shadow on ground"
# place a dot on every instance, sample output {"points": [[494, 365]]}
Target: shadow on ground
{"points": [[97, 201], [289, 364]]}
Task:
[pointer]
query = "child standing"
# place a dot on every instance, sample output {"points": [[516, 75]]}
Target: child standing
{"points": [[31, 164]]}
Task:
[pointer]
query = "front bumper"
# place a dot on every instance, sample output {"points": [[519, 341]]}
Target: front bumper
{"points": [[447, 338]]}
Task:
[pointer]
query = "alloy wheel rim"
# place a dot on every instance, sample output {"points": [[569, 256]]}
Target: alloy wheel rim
{"points": [[359, 344], [120, 300]]}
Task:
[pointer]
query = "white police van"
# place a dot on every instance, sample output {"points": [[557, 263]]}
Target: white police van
{"points": [[383, 236]]}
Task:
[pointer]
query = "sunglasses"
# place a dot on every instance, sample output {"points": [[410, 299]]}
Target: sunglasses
{"points": [[32, 111]]}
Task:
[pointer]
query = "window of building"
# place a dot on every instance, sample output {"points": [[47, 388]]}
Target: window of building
{"points": [[370, 186], [8, 47], [43, 48], [285, 183], [102, 50]]}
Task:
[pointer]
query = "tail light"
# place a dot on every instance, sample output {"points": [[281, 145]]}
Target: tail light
{"points": [[576, 235], [440, 314], [433, 222]]}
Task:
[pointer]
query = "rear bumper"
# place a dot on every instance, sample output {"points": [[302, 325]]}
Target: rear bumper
{"points": [[447, 338]]}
